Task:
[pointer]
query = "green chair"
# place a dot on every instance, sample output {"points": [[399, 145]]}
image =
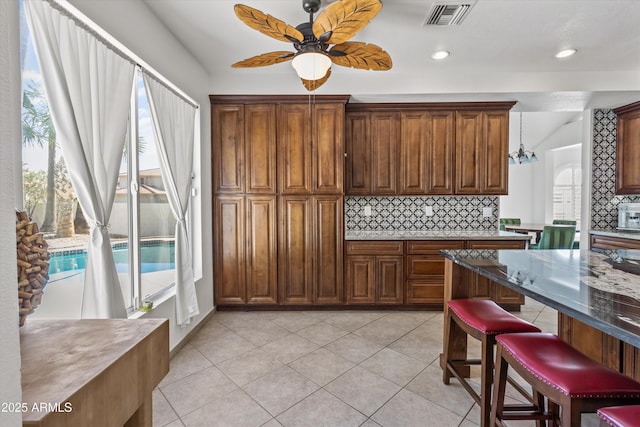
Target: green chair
{"points": [[504, 221], [564, 222], [556, 237], [576, 243]]}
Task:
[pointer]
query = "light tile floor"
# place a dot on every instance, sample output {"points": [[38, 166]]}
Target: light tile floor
{"points": [[320, 368]]}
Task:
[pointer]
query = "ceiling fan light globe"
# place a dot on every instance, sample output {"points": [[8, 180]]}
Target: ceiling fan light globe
{"points": [[311, 65]]}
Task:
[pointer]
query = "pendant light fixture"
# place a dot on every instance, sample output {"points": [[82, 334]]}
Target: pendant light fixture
{"points": [[521, 155]]}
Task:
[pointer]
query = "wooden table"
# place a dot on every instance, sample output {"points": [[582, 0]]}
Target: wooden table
{"points": [[596, 295], [92, 372]]}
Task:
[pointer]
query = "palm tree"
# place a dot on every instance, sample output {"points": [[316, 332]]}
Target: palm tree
{"points": [[38, 130]]}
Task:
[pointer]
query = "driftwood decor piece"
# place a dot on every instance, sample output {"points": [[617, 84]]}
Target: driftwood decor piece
{"points": [[33, 264]]}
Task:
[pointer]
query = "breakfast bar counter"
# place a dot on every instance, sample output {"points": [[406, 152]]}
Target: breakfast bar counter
{"points": [[596, 294]]}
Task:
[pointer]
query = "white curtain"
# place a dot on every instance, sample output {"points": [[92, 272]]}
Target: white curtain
{"points": [[89, 89], [173, 124]]}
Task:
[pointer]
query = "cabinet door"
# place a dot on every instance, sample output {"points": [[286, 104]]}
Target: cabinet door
{"points": [[261, 273], [294, 149], [358, 149], [385, 133], [260, 148], [227, 138], [440, 153], [469, 156], [389, 279], [328, 249], [360, 279], [628, 152], [495, 151], [295, 252], [228, 257], [413, 152], [328, 149]]}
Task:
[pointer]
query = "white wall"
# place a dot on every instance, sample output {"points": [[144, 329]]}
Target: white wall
{"points": [[135, 26], [531, 185], [10, 177]]}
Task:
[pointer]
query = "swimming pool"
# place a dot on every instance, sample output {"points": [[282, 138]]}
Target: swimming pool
{"points": [[156, 255]]}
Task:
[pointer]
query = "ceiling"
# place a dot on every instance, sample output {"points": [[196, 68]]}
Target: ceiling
{"points": [[503, 50]]}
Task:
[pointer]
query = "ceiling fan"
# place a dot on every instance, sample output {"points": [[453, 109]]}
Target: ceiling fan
{"points": [[312, 40]]}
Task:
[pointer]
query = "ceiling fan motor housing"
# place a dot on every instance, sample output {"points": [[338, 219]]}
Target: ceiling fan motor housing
{"points": [[311, 6]]}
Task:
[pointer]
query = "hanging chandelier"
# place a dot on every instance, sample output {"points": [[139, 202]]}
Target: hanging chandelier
{"points": [[521, 155]]}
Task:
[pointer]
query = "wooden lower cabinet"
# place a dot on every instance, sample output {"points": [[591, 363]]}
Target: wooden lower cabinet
{"points": [[374, 272], [245, 250], [310, 250], [425, 270]]}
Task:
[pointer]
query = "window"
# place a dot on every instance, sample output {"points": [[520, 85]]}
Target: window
{"points": [[566, 193], [141, 226]]}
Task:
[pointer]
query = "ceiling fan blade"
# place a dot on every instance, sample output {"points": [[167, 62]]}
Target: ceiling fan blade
{"points": [[265, 59], [345, 18], [267, 24], [312, 85], [360, 55]]}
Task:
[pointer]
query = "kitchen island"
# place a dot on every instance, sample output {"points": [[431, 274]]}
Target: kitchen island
{"points": [[596, 294]]}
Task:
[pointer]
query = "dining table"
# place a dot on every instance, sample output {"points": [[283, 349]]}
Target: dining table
{"points": [[595, 293]]}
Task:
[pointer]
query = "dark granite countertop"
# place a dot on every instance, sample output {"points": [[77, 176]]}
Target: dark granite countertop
{"points": [[617, 233], [601, 289], [434, 235]]}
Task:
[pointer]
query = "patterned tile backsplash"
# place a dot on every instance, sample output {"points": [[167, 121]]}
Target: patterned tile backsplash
{"points": [[407, 213], [604, 202]]}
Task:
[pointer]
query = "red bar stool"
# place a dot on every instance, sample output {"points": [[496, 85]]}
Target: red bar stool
{"points": [[482, 319], [620, 416], [570, 380]]}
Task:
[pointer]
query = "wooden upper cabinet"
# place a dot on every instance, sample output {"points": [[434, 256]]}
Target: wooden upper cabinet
{"points": [[260, 148], [482, 144], [359, 151], [427, 152], [328, 148], [440, 152], [372, 153], [496, 149], [628, 149], [385, 131], [244, 148], [311, 148], [294, 149], [227, 134], [468, 152], [413, 151]]}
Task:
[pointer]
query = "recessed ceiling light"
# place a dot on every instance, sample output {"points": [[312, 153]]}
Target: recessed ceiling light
{"points": [[565, 53], [441, 54]]}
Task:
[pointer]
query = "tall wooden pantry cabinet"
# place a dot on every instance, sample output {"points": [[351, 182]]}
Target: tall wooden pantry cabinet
{"points": [[278, 171]]}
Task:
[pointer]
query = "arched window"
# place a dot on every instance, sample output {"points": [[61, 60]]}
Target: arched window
{"points": [[566, 193]]}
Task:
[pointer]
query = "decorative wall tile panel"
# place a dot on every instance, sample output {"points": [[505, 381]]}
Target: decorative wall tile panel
{"points": [[604, 202], [407, 213]]}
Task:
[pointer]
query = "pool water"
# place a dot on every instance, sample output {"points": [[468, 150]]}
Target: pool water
{"points": [[154, 256]]}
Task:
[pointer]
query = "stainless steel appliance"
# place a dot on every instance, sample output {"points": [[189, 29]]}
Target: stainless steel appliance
{"points": [[629, 216]]}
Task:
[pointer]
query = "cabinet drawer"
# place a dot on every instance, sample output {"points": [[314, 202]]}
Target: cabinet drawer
{"points": [[425, 266], [425, 292], [432, 246], [377, 247], [496, 244], [605, 242]]}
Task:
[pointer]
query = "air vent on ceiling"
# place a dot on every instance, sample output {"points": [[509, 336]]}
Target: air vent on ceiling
{"points": [[448, 13]]}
